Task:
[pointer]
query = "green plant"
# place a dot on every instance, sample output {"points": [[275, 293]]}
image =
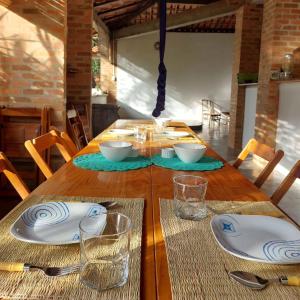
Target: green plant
{"points": [[96, 66]]}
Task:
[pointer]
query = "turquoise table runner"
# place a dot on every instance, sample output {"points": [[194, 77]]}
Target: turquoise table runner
{"points": [[204, 164], [97, 162]]}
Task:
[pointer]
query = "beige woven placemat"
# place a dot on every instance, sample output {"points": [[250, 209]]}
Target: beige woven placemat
{"points": [[35, 285], [197, 265]]}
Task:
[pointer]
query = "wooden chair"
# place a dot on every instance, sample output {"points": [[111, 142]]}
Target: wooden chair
{"points": [[84, 112], [286, 183], [75, 128], [17, 125], [40, 144], [273, 157], [11, 174]]}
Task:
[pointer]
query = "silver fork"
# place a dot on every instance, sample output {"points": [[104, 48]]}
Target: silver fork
{"points": [[54, 271], [49, 271]]}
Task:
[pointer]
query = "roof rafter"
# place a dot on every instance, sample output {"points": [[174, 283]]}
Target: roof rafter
{"points": [[116, 8], [191, 1], [127, 17], [97, 3], [203, 13]]}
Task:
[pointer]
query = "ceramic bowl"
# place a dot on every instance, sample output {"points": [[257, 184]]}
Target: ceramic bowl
{"points": [[189, 152], [162, 122], [116, 151], [167, 152]]}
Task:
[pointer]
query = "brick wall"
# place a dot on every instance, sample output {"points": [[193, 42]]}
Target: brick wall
{"points": [[246, 60], [78, 50], [108, 51], [280, 35], [32, 56]]}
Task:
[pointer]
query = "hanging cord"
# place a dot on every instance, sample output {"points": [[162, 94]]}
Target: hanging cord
{"points": [[161, 81]]}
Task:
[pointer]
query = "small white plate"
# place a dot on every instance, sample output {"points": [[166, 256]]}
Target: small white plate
{"points": [[122, 131], [54, 223], [258, 238], [176, 133]]}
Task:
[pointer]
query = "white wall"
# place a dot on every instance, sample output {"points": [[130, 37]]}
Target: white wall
{"points": [[199, 66], [288, 130], [250, 113]]}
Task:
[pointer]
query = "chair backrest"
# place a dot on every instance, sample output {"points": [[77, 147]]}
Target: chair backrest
{"points": [[273, 157], [286, 183], [38, 145], [75, 128], [83, 110], [10, 172]]}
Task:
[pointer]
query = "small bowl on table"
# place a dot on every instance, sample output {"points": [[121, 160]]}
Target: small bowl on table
{"points": [[189, 152], [162, 122], [116, 150]]}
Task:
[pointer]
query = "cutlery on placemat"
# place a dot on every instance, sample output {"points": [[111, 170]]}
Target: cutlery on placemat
{"points": [[255, 282], [236, 211], [108, 204], [49, 271]]}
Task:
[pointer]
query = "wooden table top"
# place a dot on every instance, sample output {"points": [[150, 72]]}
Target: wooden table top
{"points": [[151, 184]]}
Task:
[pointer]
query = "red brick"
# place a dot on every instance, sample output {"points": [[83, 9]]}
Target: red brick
{"points": [[33, 92], [21, 68], [43, 84]]}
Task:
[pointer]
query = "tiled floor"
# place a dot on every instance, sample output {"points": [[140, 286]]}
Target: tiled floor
{"points": [[217, 137]]}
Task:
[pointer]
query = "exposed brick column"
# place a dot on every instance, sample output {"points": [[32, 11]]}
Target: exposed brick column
{"points": [[280, 35], [78, 50], [246, 60]]}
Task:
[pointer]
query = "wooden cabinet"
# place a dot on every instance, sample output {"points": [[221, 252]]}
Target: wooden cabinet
{"points": [[103, 115]]}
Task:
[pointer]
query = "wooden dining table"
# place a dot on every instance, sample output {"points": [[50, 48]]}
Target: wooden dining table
{"points": [[151, 183]]}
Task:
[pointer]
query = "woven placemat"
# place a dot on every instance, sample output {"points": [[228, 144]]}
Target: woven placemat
{"points": [[198, 266], [204, 164], [97, 162], [35, 285]]}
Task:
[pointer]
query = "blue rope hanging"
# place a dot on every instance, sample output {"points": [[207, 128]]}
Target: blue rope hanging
{"points": [[161, 81]]}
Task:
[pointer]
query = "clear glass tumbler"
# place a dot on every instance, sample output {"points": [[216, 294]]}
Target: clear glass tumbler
{"points": [[189, 197], [104, 250], [140, 133]]}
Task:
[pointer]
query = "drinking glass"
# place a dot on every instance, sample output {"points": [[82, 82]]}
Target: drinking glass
{"points": [[104, 250], [189, 197], [140, 133]]}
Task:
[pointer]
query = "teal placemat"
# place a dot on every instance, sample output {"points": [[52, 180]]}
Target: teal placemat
{"points": [[204, 164], [97, 162]]}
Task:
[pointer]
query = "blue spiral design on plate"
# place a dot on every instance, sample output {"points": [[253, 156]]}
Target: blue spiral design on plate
{"points": [[46, 214], [282, 250]]}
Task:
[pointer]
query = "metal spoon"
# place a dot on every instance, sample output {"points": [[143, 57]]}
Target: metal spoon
{"points": [[109, 204], [255, 282]]}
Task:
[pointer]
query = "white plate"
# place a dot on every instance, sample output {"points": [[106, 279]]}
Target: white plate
{"points": [[121, 131], [258, 238], [54, 223], [176, 133]]}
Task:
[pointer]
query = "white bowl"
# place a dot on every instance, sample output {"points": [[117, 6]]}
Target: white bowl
{"points": [[116, 151], [162, 122], [189, 152]]}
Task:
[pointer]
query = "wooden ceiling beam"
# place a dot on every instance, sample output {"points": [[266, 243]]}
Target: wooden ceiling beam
{"points": [[102, 12], [191, 1], [189, 17], [98, 4], [123, 21], [101, 24]]}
